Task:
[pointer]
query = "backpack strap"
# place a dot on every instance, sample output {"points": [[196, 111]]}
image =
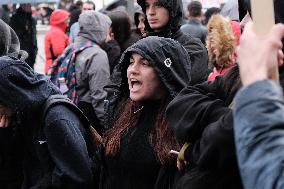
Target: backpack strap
{"points": [[94, 139]]}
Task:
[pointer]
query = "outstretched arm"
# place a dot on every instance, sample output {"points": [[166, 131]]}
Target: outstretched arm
{"points": [[259, 111]]}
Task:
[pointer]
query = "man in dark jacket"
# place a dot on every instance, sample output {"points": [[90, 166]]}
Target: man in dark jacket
{"points": [[56, 157], [25, 27], [194, 26], [164, 18]]}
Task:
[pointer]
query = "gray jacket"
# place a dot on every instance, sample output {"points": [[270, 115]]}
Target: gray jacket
{"points": [[194, 28], [259, 135], [92, 66], [74, 30]]}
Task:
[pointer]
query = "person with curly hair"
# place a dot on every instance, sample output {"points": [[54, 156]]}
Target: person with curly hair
{"points": [[221, 45]]}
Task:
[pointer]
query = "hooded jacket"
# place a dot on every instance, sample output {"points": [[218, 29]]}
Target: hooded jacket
{"points": [[92, 66], [160, 52], [135, 165], [10, 158], [196, 50], [47, 161], [55, 39]]}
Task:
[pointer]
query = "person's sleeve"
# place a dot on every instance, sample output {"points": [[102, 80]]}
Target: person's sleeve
{"points": [[259, 135], [193, 109], [68, 150], [98, 74], [47, 50], [215, 148]]}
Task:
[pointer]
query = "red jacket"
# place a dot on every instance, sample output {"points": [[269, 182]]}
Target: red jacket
{"points": [[216, 73], [55, 38]]}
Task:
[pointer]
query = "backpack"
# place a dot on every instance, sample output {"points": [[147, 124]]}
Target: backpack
{"points": [[93, 141], [62, 71]]}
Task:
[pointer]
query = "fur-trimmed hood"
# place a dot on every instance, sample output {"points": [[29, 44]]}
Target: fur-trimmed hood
{"points": [[221, 42]]}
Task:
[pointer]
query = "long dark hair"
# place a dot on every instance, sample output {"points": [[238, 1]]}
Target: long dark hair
{"points": [[121, 26], [161, 137]]}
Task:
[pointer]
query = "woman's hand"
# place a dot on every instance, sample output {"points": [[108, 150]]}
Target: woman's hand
{"points": [[5, 116], [4, 121]]}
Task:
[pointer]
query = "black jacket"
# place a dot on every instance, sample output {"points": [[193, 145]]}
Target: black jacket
{"points": [[135, 165], [113, 51], [58, 157], [201, 116], [195, 48], [25, 27]]}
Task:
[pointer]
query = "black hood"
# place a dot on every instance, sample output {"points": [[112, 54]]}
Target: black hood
{"points": [[159, 51], [21, 89], [176, 11]]}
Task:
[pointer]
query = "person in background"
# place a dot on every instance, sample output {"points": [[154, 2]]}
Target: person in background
{"points": [[194, 26], [112, 48], [119, 38], [56, 39], [221, 45], [84, 67], [5, 13], [231, 10], [163, 19], [25, 27], [121, 29], [139, 19], [210, 12], [75, 11], [74, 28]]}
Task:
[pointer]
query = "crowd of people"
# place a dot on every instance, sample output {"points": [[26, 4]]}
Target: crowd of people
{"points": [[149, 102]]}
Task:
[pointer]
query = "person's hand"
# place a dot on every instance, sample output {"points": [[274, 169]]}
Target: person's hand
{"points": [[181, 164], [257, 54], [4, 121], [5, 116]]}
